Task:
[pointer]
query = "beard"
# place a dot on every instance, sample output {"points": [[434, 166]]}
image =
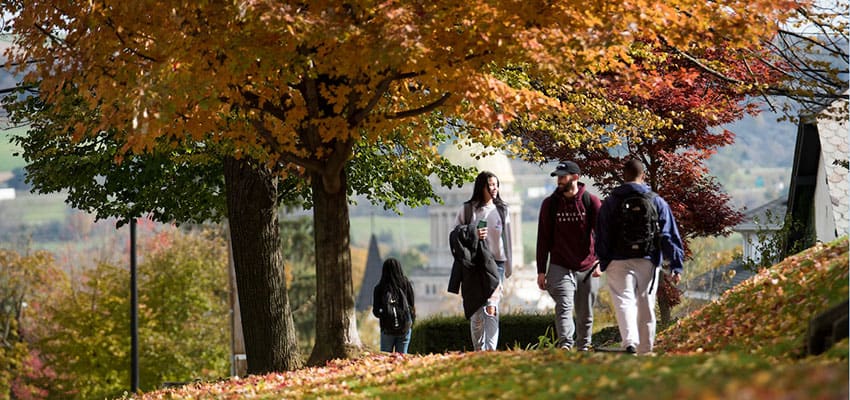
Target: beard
{"points": [[566, 186], [563, 187]]}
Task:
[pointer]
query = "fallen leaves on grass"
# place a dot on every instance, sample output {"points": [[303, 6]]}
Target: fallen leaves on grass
{"points": [[538, 374], [759, 325], [770, 312]]}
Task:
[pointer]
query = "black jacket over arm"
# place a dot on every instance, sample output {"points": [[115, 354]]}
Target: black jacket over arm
{"points": [[474, 270]]}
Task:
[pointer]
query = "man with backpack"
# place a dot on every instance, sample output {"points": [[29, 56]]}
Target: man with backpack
{"points": [[565, 237], [636, 231]]}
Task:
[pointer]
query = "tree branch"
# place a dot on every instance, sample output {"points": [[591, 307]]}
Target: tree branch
{"points": [[382, 87], [30, 88], [421, 110], [124, 43], [52, 37]]}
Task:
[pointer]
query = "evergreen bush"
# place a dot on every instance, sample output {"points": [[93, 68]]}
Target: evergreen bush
{"points": [[441, 334]]}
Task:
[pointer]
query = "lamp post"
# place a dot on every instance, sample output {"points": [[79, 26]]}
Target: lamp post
{"points": [[134, 315]]}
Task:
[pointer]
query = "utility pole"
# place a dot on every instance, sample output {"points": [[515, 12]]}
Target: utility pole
{"points": [[134, 315]]}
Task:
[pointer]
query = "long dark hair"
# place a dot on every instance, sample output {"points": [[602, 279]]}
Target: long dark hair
{"points": [[481, 182], [392, 276]]}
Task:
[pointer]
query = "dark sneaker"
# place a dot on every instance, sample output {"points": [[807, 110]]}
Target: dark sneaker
{"points": [[631, 349]]}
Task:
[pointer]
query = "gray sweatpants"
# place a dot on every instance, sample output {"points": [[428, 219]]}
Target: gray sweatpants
{"points": [[572, 292]]}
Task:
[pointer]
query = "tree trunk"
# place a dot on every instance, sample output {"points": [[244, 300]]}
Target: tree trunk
{"points": [[666, 298], [267, 325], [336, 323], [665, 312]]}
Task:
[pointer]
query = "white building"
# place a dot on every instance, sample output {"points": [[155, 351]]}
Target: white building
{"points": [[818, 197], [760, 224]]}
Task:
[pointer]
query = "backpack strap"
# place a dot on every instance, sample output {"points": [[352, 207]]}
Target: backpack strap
{"points": [[589, 213], [588, 210], [656, 240], [502, 212], [467, 213], [553, 212]]}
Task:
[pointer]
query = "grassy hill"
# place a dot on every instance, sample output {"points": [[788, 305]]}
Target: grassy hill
{"points": [[769, 313], [744, 346]]}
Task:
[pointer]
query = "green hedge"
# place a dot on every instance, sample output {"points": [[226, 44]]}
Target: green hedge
{"points": [[442, 334]]}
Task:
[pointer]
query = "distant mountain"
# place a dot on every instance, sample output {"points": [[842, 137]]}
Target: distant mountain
{"points": [[757, 167], [760, 141]]}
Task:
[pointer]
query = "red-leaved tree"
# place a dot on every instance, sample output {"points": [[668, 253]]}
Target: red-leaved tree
{"points": [[692, 103]]}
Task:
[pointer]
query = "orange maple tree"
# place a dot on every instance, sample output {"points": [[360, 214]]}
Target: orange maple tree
{"points": [[289, 88]]}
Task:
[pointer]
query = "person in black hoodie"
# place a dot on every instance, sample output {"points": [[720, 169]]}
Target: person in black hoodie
{"points": [[393, 304]]}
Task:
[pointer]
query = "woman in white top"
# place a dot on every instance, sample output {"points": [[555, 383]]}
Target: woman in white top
{"points": [[488, 206]]}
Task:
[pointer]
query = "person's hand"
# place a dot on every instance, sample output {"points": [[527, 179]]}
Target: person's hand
{"points": [[676, 277], [490, 310], [541, 281], [482, 233], [597, 272]]}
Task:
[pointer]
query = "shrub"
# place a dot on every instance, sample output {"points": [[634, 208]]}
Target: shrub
{"points": [[443, 334]]}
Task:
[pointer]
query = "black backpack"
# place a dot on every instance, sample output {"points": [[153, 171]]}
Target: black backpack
{"points": [[396, 318], [636, 226]]}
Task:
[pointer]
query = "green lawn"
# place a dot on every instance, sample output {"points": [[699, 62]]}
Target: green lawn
{"points": [[32, 209], [8, 161], [405, 232], [40, 209]]}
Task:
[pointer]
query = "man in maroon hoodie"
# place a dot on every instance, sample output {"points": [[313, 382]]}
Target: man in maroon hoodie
{"points": [[566, 258]]}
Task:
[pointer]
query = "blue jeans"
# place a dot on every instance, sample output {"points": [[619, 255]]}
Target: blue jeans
{"points": [[500, 265], [395, 343], [484, 329]]}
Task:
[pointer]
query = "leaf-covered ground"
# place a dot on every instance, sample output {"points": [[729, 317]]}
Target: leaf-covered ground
{"points": [[747, 345], [770, 312]]}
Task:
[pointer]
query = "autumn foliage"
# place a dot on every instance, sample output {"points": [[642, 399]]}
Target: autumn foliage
{"points": [[76, 326], [293, 89], [768, 313], [286, 82], [670, 122]]}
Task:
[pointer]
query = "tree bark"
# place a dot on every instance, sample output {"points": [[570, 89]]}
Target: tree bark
{"points": [[267, 325], [336, 323], [665, 316]]}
